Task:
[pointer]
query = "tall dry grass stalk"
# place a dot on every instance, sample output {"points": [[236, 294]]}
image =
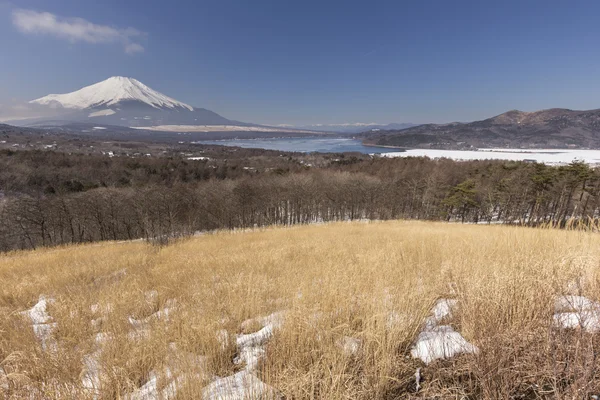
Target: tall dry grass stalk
{"points": [[373, 282]]}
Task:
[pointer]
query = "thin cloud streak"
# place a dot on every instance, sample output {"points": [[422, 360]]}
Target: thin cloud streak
{"points": [[32, 22]]}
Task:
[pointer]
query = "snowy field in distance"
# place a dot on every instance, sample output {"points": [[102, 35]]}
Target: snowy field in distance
{"points": [[546, 156]]}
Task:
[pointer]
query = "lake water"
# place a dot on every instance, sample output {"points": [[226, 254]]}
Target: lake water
{"points": [[340, 145], [304, 145]]}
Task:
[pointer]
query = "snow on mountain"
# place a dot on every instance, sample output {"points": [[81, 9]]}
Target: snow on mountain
{"points": [[126, 102], [102, 113], [111, 92], [120, 101]]}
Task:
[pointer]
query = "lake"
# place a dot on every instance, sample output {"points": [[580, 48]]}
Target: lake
{"points": [[340, 145], [304, 145]]}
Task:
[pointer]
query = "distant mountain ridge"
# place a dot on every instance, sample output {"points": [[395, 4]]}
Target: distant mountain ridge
{"points": [[552, 128]]}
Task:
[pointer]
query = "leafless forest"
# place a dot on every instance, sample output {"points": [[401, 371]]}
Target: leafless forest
{"points": [[50, 198]]}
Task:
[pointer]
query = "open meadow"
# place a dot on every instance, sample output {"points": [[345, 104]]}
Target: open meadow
{"points": [[379, 310]]}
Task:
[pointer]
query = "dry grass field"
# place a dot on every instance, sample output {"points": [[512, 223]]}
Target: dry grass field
{"points": [[309, 312]]}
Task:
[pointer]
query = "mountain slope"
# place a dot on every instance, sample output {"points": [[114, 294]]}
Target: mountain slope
{"points": [[553, 128], [125, 102], [111, 92]]}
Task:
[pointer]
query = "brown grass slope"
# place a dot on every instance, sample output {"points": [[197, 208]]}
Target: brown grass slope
{"points": [[333, 281]]}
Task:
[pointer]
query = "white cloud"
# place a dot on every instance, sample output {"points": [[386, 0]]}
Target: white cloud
{"points": [[75, 29], [14, 110], [133, 48]]}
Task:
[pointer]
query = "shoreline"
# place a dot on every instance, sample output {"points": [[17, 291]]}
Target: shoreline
{"points": [[384, 147]]}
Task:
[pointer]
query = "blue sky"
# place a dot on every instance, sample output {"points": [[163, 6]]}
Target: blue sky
{"points": [[302, 62]]}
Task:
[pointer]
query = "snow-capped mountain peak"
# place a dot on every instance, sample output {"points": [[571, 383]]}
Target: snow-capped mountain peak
{"points": [[111, 92]]}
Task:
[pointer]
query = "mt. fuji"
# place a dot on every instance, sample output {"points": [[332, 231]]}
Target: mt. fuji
{"points": [[125, 102], [110, 93]]}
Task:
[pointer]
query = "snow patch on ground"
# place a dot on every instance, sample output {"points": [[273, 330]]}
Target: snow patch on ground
{"points": [[250, 356], [577, 312], [39, 313], [162, 314], [41, 322], [349, 345], [181, 366], [244, 385], [223, 338], [3, 381], [240, 386], [546, 156], [251, 346], [440, 341], [276, 320], [91, 378], [441, 310]]}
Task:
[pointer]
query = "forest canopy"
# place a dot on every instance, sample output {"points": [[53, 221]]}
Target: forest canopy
{"points": [[51, 198]]}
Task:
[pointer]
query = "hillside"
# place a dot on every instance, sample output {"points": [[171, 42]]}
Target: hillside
{"points": [[553, 128], [333, 311]]}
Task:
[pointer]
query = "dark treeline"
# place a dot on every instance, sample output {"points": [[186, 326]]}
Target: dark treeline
{"points": [[160, 201], [52, 172]]}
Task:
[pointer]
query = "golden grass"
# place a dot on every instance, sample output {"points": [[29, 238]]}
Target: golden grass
{"points": [[337, 280]]}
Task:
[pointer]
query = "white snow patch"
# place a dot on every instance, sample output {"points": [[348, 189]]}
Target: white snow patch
{"points": [[440, 311], [102, 113], [173, 374], [240, 386], [151, 296], [162, 314], [349, 345], [574, 303], [276, 320], [223, 338], [197, 158], [251, 356], [39, 313], [577, 312], [251, 346], [438, 342], [546, 156], [150, 390], [99, 128], [41, 322], [91, 378], [3, 381]]}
